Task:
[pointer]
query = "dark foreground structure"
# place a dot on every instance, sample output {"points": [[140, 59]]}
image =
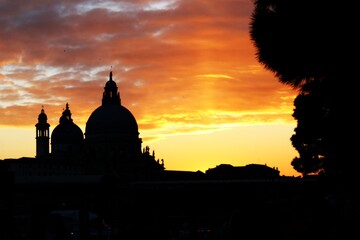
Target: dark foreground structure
{"points": [[101, 185], [101, 208]]}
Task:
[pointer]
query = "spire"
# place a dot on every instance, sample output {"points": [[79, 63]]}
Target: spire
{"points": [[66, 115], [42, 118], [111, 94]]}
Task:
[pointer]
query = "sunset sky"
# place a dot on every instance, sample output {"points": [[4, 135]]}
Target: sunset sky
{"points": [[186, 69]]}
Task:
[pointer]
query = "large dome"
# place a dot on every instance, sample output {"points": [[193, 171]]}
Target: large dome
{"points": [[111, 122], [111, 119]]}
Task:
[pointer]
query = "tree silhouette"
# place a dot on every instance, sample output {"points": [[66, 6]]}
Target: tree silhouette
{"points": [[297, 40], [310, 136], [309, 45]]}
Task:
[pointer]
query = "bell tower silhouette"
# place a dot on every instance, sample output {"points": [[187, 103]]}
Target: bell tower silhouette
{"points": [[42, 135]]}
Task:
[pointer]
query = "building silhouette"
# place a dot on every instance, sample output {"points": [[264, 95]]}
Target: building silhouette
{"points": [[112, 141], [102, 184], [110, 146]]}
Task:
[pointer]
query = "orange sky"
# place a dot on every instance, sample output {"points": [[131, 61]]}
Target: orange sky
{"points": [[186, 69]]}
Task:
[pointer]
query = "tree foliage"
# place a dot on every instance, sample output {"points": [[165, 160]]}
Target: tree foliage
{"points": [[295, 39], [310, 46], [310, 135]]}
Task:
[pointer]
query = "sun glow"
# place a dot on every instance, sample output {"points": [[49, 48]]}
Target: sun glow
{"points": [[187, 71]]}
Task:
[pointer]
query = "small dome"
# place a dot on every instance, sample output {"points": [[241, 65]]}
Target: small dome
{"points": [[67, 132], [111, 119]]}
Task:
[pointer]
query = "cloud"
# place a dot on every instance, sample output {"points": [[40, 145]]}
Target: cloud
{"points": [[180, 65]]}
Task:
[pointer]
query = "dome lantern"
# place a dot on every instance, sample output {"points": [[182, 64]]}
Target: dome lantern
{"points": [[111, 94], [66, 115]]}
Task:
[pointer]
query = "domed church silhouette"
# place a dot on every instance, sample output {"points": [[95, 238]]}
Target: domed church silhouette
{"points": [[105, 171], [111, 133], [110, 145]]}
